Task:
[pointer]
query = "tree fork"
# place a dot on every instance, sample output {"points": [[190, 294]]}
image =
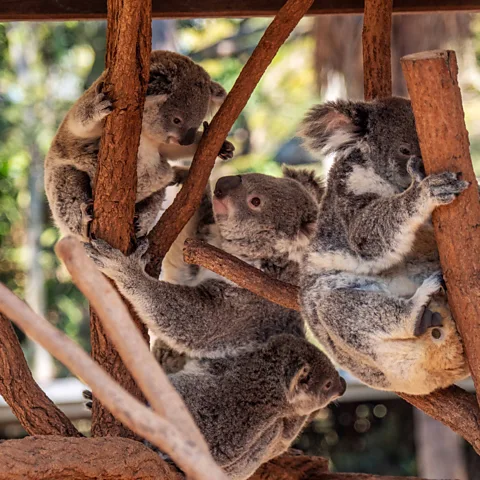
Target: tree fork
{"points": [[437, 104], [188, 199], [128, 62], [377, 55], [37, 414]]}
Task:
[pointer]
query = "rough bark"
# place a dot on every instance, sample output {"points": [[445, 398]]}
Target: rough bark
{"points": [[453, 406], [440, 121], [195, 462], [128, 62], [37, 414], [189, 197], [376, 39], [291, 467], [118, 323]]}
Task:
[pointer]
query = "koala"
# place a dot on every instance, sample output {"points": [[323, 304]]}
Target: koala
{"points": [[180, 95], [371, 287], [188, 311], [251, 406]]}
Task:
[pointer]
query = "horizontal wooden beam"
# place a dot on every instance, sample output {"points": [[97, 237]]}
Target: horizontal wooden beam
{"points": [[97, 9]]}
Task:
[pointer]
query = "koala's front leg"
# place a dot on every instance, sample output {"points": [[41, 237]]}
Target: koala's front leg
{"points": [[382, 231], [189, 319], [147, 213], [70, 198], [85, 119]]}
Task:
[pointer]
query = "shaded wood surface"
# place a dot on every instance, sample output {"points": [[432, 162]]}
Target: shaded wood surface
{"points": [[440, 121], [377, 55], [37, 414], [188, 199], [453, 406], [129, 35], [74, 9]]}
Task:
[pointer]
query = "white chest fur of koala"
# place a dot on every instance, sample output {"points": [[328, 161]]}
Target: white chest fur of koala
{"points": [[371, 281], [180, 95]]}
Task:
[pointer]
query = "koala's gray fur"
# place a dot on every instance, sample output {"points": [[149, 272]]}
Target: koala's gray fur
{"points": [[180, 95], [246, 351], [373, 266]]}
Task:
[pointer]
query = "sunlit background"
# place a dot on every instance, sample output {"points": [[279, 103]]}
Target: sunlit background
{"points": [[44, 67]]}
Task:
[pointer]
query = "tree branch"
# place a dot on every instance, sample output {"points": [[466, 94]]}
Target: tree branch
{"points": [[453, 406], [129, 35], [142, 420], [37, 414], [188, 199], [118, 324], [376, 39], [440, 121]]}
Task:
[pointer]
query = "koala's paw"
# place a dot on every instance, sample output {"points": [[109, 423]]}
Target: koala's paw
{"points": [[415, 169], [102, 105], [425, 318], [443, 188], [87, 395], [142, 224], [226, 152], [109, 260], [86, 220]]}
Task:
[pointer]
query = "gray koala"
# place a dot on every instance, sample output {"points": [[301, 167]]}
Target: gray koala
{"points": [[371, 281], [254, 380], [180, 95]]}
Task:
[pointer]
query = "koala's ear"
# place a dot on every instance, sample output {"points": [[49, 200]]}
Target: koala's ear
{"points": [[333, 126], [162, 78], [314, 185], [217, 96], [298, 379]]}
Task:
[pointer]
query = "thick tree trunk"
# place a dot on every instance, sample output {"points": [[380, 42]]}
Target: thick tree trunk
{"points": [[377, 55], [440, 121], [128, 63]]}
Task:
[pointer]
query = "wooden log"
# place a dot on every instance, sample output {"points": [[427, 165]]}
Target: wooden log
{"points": [[437, 104], [11, 10], [188, 199], [128, 63], [453, 406], [194, 461], [37, 414], [377, 55]]}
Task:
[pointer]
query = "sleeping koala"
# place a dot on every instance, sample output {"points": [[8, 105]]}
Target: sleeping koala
{"points": [[371, 281], [243, 218], [180, 95]]}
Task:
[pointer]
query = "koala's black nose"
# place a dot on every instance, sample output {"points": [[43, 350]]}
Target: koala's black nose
{"points": [[189, 137], [227, 184]]}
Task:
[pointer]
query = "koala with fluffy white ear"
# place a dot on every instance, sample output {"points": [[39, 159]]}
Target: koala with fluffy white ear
{"points": [[263, 220], [371, 281], [180, 95]]}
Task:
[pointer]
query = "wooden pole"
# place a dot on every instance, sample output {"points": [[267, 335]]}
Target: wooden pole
{"points": [[188, 199], [437, 104], [377, 56], [128, 63]]}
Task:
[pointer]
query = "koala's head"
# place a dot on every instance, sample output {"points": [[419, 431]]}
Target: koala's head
{"points": [[180, 95], [261, 217], [383, 130], [309, 379]]}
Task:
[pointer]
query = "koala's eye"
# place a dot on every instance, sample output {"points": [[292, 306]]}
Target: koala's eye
{"points": [[177, 121], [255, 201], [436, 333], [405, 151]]}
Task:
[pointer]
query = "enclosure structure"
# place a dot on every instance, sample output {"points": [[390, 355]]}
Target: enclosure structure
{"points": [[55, 449]]}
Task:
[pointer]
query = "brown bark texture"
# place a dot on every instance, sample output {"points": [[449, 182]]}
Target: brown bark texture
{"points": [[453, 406], [437, 104], [377, 55], [128, 62], [188, 199], [37, 414]]}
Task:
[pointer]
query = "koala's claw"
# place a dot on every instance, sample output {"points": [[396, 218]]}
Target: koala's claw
{"points": [[102, 106], [87, 217], [444, 187], [87, 395], [427, 319], [226, 152], [416, 169]]}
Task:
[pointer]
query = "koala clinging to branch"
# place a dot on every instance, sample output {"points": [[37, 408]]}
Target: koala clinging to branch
{"points": [[371, 281], [180, 95]]}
